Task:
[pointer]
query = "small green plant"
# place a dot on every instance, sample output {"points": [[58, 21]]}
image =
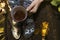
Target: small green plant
{"points": [[56, 3]]}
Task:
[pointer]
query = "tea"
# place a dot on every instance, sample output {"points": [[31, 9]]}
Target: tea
{"points": [[19, 15]]}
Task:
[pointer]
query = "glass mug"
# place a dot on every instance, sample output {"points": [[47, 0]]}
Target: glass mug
{"points": [[19, 13]]}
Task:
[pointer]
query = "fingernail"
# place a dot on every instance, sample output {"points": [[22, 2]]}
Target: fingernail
{"points": [[31, 11], [27, 9]]}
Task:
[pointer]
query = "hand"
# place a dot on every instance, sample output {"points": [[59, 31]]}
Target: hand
{"points": [[34, 6]]}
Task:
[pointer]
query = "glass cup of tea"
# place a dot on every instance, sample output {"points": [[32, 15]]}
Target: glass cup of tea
{"points": [[19, 14]]}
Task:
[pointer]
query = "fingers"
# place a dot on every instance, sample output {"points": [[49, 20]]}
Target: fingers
{"points": [[34, 6], [34, 9], [31, 6]]}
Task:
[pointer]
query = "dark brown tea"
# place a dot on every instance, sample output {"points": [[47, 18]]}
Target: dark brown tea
{"points": [[19, 15]]}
